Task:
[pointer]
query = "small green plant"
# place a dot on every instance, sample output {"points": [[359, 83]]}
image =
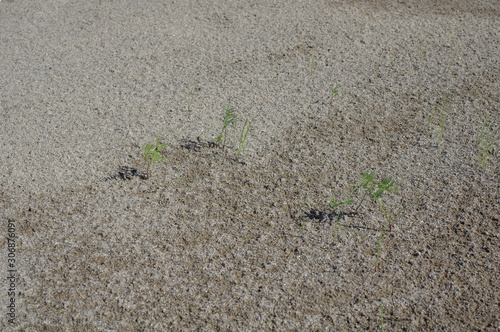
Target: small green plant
{"points": [[485, 141], [373, 189], [381, 318], [443, 107], [476, 92], [334, 91], [152, 154], [229, 120], [243, 137]]}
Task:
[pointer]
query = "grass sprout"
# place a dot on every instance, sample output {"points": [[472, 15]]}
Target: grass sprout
{"points": [[243, 137], [381, 318], [334, 91], [229, 120], [152, 154]]}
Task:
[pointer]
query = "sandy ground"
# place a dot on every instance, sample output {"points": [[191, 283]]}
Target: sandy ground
{"points": [[215, 240]]}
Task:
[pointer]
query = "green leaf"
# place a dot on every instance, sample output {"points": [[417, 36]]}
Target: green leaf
{"points": [[333, 203], [368, 178]]}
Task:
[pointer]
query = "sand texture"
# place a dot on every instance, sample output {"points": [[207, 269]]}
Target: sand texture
{"points": [[218, 240]]}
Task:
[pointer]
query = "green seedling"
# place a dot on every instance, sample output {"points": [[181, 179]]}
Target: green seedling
{"points": [[381, 318], [485, 141], [229, 120], [152, 154], [243, 137], [334, 91], [375, 190], [475, 92], [442, 107]]}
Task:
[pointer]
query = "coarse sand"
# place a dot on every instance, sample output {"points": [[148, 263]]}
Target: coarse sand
{"points": [[218, 240]]}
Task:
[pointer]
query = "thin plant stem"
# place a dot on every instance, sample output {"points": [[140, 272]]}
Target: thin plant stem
{"points": [[243, 137], [381, 317], [152, 153]]}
